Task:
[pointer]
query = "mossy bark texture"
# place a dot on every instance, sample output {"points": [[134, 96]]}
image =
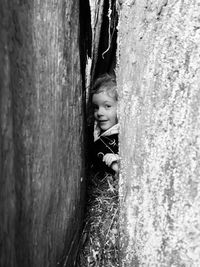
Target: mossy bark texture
{"points": [[41, 132], [159, 114]]}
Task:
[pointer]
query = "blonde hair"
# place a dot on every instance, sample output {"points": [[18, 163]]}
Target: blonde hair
{"points": [[105, 83]]}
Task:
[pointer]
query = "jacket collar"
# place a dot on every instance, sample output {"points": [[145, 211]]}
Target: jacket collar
{"points": [[113, 130]]}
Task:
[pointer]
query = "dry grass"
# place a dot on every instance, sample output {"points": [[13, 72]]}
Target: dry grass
{"points": [[99, 244]]}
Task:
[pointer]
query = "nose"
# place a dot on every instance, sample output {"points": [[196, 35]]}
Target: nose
{"points": [[100, 112]]}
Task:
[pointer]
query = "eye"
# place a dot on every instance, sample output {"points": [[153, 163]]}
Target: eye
{"points": [[107, 106]]}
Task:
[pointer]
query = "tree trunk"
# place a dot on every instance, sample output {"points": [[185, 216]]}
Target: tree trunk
{"points": [[158, 77], [41, 132]]}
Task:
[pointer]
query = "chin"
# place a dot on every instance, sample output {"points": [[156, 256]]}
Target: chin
{"points": [[104, 129], [105, 126]]}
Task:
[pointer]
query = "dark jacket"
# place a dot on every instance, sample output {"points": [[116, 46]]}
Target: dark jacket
{"points": [[102, 146]]}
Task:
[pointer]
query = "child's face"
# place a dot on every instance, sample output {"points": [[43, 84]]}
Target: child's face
{"points": [[105, 110]]}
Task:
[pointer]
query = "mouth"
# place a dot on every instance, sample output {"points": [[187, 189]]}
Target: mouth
{"points": [[102, 121]]}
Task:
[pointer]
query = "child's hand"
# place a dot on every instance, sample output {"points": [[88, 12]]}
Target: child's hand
{"points": [[110, 158]]}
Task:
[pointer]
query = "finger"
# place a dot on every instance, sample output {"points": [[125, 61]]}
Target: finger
{"points": [[108, 161], [111, 161]]}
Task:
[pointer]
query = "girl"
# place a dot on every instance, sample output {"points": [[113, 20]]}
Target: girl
{"points": [[99, 246], [104, 101]]}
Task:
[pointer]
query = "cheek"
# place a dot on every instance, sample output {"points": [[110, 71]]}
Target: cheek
{"points": [[114, 116], [95, 114]]}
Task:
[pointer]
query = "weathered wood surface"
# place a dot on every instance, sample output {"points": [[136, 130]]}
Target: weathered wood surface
{"points": [[41, 132], [158, 79]]}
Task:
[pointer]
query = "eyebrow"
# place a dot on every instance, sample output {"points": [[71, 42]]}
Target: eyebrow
{"points": [[108, 101], [105, 102]]}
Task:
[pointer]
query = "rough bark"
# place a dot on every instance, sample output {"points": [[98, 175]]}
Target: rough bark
{"points": [[159, 113], [41, 132], [7, 195]]}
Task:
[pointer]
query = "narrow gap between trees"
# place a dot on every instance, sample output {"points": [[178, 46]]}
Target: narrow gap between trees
{"points": [[99, 242]]}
